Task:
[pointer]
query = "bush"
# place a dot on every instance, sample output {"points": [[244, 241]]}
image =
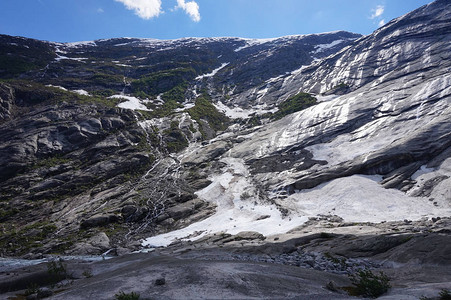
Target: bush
{"points": [[368, 284], [57, 270], [444, 295], [126, 296], [294, 104]]}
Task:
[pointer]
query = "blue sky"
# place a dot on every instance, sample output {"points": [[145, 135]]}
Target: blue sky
{"points": [[81, 20]]}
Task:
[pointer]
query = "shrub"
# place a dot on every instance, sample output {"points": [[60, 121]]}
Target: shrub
{"points": [[444, 295], [294, 104], [126, 296], [57, 270], [368, 284]]}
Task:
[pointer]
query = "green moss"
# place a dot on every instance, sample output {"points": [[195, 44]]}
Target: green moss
{"points": [[126, 296], [293, 104]]}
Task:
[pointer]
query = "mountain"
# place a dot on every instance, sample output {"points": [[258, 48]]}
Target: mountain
{"points": [[68, 142], [295, 150]]}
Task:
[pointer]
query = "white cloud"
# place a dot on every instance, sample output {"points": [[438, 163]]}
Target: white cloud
{"points": [[100, 10], [145, 9], [377, 12], [381, 23], [191, 8]]}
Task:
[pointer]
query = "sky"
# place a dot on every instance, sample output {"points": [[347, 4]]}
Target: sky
{"points": [[85, 20]]}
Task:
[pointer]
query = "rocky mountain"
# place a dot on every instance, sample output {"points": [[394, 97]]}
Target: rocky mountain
{"points": [[89, 130], [114, 145]]}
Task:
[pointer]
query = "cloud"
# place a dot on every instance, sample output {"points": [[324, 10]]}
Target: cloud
{"points": [[381, 23], [191, 8], [377, 12], [145, 9], [100, 10]]}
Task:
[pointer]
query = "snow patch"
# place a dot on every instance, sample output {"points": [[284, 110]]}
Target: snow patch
{"points": [[212, 73], [235, 212], [322, 47], [131, 103], [360, 198], [241, 113], [82, 92], [57, 86]]}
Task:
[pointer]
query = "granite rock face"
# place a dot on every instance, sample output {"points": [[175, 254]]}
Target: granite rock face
{"points": [[106, 143]]}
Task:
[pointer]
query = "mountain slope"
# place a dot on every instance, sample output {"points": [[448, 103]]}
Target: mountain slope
{"points": [[109, 142], [380, 152]]}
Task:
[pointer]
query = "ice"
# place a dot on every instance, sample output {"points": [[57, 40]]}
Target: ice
{"points": [[131, 103], [213, 73]]}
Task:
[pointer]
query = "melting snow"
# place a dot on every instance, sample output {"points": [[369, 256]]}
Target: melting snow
{"points": [[82, 92], [322, 47], [240, 113], [213, 73], [80, 59], [131, 103], [234, 214], [360, 198], [57, 86]]}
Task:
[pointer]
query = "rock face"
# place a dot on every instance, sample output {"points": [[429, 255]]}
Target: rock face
{"points": [[218, 134]]}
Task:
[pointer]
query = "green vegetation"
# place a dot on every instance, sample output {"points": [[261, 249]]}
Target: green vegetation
{"points": [[16, 58], [57, 270], [163, 81], [204, 110], [293, 104], [50, 162], [30, 93], [175, 139], [340, 89], [6, 213], [367, 284], [32, 288], [127, 296], [29, 237], [87, 273], [444, 294], [176, 94]]}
